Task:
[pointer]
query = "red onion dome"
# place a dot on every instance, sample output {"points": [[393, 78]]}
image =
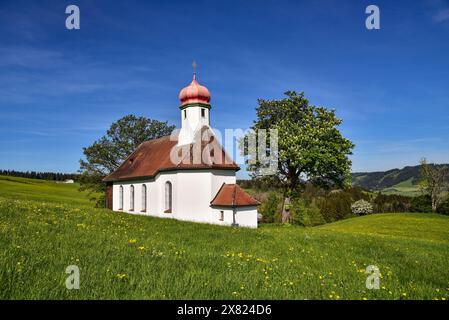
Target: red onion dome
{"points": [[194, 93]]}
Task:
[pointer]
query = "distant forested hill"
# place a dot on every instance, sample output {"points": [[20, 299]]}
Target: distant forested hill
{"points": [[386, 179], [53, 176]]}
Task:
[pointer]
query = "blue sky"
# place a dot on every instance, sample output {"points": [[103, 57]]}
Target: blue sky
{"points": [[61, 89]]}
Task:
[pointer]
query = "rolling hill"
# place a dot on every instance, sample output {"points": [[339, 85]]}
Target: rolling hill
{"points": [[385, 179], [403, 180]]}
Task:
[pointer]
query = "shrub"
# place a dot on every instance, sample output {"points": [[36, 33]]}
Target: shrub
{"points": [[443, 208], [270, 207], [336, 205], [361, 207], [421, 204], [391, 203], [305, 213]]}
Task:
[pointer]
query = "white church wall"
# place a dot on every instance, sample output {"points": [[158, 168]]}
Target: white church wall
{"points": [[155, 195], [159, 194], [194, 195], [244, 216], [219, 177], [151, 198], [227, 216], [192, 120], [192, 192], [138, 200]]}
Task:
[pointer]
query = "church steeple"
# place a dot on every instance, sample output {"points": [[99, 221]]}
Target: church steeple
{"points": [[195, 107]]}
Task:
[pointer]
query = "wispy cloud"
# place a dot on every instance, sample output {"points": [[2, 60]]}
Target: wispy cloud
{"points": [[29, 74], [29, 57], [442, 16]]}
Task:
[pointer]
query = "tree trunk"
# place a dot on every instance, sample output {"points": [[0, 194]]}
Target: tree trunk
{"points": [[285, 213], [434, 202]]}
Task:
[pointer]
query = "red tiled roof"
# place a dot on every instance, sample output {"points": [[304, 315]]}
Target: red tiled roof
{"points": [[153, 156], [231, 195]]}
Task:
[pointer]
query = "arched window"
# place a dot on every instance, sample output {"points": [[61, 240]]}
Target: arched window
{"points": [[120, 198], [131, 198], [144, 197], [168, 197]]}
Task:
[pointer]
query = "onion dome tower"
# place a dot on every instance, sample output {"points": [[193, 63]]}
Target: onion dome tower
{"points": [[195, 108]]}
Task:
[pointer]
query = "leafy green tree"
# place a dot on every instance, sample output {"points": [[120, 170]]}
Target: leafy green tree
{"points": [[305, 213], [422, 203], [108, 152], [310, 146]]}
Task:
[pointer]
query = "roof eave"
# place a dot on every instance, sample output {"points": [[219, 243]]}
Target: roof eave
{"points": [[234, 206], [170, 169]]}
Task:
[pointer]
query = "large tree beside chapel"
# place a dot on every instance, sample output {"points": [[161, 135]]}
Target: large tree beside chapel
{"points": [[311, 148]]}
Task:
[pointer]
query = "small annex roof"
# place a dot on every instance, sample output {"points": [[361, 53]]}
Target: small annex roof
{"points": [[232, 195], [163, 154]]}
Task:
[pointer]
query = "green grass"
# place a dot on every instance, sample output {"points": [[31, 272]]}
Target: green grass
{"points": [[41, 190], [124, 256], [404, 188]]}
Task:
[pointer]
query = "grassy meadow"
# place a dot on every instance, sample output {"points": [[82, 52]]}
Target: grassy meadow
{"points": [[404, 188], [45, 227], [41, 190]]}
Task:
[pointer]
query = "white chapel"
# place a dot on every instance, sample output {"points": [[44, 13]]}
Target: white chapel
{"points": [[185, 176]]}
